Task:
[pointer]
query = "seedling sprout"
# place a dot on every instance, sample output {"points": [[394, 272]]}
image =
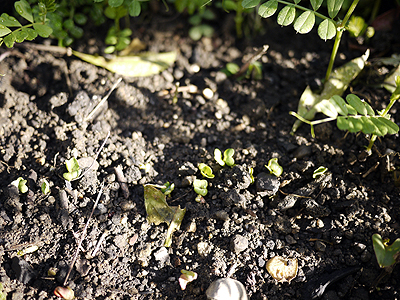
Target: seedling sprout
{"points": [[20, 183], [320, 171], [45, 187], [386, 255], [73, 169], [206, 171], [227, 159], [274, 167], [200, 187]]}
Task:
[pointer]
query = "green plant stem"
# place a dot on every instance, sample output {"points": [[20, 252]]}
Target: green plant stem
{"points": [[340, 30], [239, 20]]}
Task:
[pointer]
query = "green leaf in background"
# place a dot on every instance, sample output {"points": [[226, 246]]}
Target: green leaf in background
{"points": [[316, 4], [327, 29], [43, 30], [250, 3], [145, 64], [305, 22], [31, 34], [134, 8], [356, 26], [9, 21], [286, 15], [158, 211], [386, 255], [334, 7], [24, 10], [115, 3], [268, 8]]}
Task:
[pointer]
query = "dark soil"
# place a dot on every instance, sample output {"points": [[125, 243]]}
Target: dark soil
{"points": [[44, 98]]}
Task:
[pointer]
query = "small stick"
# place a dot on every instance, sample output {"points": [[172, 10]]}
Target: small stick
{"points": [[100, 241], [83, 235], [89, 116], [254, 58]]}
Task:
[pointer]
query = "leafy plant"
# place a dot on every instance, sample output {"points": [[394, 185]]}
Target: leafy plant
{"points": [[386, 255], [73, 169], [356, 115], [329, 28], [206, 171], [227, 159], [20, 183], [37, 23], [274, 167], [199, 28], [200, 187], [168, 188]]}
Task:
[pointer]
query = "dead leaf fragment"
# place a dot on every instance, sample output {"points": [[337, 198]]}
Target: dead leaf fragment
{"points": [[141, 65], [282, 269], [158, 211]]}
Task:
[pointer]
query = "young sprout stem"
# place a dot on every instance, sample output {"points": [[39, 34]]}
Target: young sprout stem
{"points": [[338, 37], [83, 234]]}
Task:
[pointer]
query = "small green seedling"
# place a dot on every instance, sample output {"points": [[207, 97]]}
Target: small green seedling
{"points": [[168, 188], [73, 169], [251, 171], [186, 277], [320, 171], [20, 183], [200, 187], [274, 167], [45, 187], [386, 255], [206, 171], [28, 250], [228, 157]]}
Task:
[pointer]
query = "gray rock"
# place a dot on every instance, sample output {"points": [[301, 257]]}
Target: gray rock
{"points": [[226, 289], [267, 184], [162, 256], [239, 243], [23, 271]]}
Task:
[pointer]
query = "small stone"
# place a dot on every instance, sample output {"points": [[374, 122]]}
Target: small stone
{"points": [[239, 243], [267, 184], [320, 246], [162, 256], [365, 256], [302, 152], [290, 240], [203, 249], [23, 271], [222, 215], [121, 241], [261, 262], [208, 93], [226, 289]]}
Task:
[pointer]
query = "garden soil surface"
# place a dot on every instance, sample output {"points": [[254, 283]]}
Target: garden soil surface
{"points": [[157, 135]]}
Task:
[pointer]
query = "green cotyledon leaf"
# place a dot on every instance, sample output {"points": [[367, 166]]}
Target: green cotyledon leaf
{"points": [[337, 83], [158, 211], [141, 65]]}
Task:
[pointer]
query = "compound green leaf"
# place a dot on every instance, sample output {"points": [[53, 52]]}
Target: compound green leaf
{"points": [[24, 10], [316, 4], [20, 36], [392, 128], [368, 125], [286, 15], [327, 108], [351, 109], [370, 110], [380, 128], [339, 104], [268, 8], [9, 40], [327, 29], [9, 21], [250, 3], [115, 3], [356, 102], [334, 7], [134, 8], [4, 30], [341, 123], [43, 30], [305, 22], [32, 34], [354, 124]]}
